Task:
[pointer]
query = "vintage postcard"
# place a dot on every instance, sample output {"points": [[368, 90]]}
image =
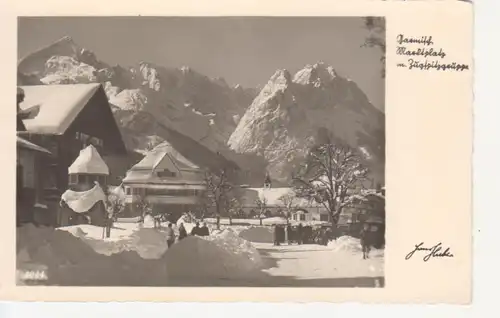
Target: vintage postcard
{"points": [[280, 151]]}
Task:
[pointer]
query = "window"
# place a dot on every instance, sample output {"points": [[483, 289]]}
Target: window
{"points": [[86, 139], [166, 174], [50, 178], [302, 217], [323, 217], [83, 178], [137, 191], [127, 191], [73, 179]]}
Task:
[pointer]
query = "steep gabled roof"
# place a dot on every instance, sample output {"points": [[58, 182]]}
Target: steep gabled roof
{"points": [[90, 162], [154, 157], [144, 170], [59, 105]]}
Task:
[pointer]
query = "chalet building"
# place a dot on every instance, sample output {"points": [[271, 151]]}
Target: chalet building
{"points": [[30, 157], [369, 207], [30, 201], [65, 119], [302, 209], [168, 182]]}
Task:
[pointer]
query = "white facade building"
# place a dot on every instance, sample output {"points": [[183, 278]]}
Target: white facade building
{"points": [[166, 180]]}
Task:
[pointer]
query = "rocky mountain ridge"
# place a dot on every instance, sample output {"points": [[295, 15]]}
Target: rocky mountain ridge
{"points": [[292, 113], [204, 109]]}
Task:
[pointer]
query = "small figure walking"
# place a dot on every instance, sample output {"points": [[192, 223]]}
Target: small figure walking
{"points": [[170, 235], [276, 235], [365, 241], [289, 234], [300, 234], [182, 231]]}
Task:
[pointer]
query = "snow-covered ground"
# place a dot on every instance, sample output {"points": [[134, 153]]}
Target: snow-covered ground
{"points": [[316, 265], [137, 255]]}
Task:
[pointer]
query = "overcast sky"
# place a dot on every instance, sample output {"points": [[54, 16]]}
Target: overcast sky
{"points": [[244, 51]]}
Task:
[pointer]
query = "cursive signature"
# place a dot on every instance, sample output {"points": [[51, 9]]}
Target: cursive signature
{"points": [[435, 251]]}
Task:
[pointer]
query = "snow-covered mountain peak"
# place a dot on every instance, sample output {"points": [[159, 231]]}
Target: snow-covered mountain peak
{"points": [[284, 120], [64, 47], [315, 74], [280, 77], [148, 99]]}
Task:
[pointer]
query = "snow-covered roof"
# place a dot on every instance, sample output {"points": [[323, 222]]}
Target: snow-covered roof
{"points": [[155, 156], [89, 161], [143, 171], [59, 105], [23, 143]]}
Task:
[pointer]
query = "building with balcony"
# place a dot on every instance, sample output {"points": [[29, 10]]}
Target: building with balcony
{"points": [[169, 183]]}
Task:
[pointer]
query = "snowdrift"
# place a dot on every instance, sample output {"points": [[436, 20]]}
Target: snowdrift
{"points": [[352, 245], [149, 222], [258, 235], [230, 241], [69, 261], [147, 242], [221, 257]]}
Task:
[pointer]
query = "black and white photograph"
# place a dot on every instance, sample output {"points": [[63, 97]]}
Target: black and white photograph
{"points": [[201, 151]]}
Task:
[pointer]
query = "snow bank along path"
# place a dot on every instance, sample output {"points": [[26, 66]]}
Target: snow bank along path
{"points": [[71, 262], [258, 235], [149, 243], [353, 246], [76, 256], [222, 256]]}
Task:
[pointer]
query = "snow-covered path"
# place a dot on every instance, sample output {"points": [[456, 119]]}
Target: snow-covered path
{"points": [[319, 266]]}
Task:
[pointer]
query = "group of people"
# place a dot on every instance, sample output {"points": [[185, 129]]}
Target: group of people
{"points": [[196, 231], [301, 235], [288, 234]]}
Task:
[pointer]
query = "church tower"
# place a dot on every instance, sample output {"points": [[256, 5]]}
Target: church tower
{"points": [[267, 181]]}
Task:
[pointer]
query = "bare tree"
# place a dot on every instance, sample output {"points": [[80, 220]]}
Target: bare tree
{"points": [[233, 206], [142, 205], [262, 205], [376, 38], [289, 202], [203, 205], [218, 188], [329, 176]]}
